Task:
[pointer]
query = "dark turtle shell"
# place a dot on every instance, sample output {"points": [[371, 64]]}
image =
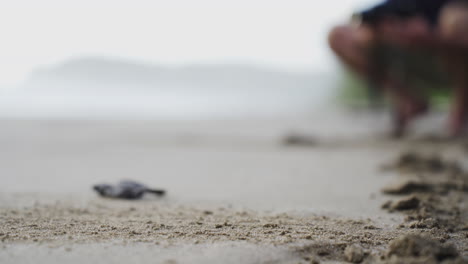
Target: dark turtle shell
{"points": [[129, 190]]}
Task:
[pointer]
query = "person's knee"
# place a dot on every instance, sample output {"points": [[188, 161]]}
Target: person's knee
{"points": [[453, 21], [336, 37], [342, 36]]}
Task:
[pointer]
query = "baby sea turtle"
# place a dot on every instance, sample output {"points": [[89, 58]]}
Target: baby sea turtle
{"points": [[129, 190]]}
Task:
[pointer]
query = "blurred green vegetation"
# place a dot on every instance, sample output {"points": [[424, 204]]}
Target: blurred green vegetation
{"points": [[354, 92]]}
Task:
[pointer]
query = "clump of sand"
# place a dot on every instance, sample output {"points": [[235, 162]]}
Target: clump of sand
{"points": [[354, 253], [434, 200], [419, 249], [437, 190]]}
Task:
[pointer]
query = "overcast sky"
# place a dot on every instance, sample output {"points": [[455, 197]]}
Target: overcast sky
{"points": [[288, 34]]}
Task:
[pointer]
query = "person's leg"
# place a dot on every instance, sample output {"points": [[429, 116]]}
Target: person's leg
{"points": [[453, 28], [459, 112], [354, 46], [405, 38], [407, 106], [457, 65]]}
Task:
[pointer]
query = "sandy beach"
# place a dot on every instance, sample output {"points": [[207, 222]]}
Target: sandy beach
{"points": [[252, 132], [238, 191]]}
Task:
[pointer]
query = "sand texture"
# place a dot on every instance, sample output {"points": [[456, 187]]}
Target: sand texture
{"points": [[253, 196]]}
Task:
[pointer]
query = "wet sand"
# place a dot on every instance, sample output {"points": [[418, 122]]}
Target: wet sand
{"points": [[236, 191]]}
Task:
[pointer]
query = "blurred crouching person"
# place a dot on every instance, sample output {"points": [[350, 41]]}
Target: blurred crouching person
{"points": [[400, 42]]}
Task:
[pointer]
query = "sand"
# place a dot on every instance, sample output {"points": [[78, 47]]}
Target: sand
{"points": [[238, 191]]}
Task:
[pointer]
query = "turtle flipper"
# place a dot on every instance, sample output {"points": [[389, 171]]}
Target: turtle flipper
{"points": [[156, 191]]}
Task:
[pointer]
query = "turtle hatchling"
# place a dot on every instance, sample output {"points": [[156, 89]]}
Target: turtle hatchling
{"points": [[129, 190]]}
